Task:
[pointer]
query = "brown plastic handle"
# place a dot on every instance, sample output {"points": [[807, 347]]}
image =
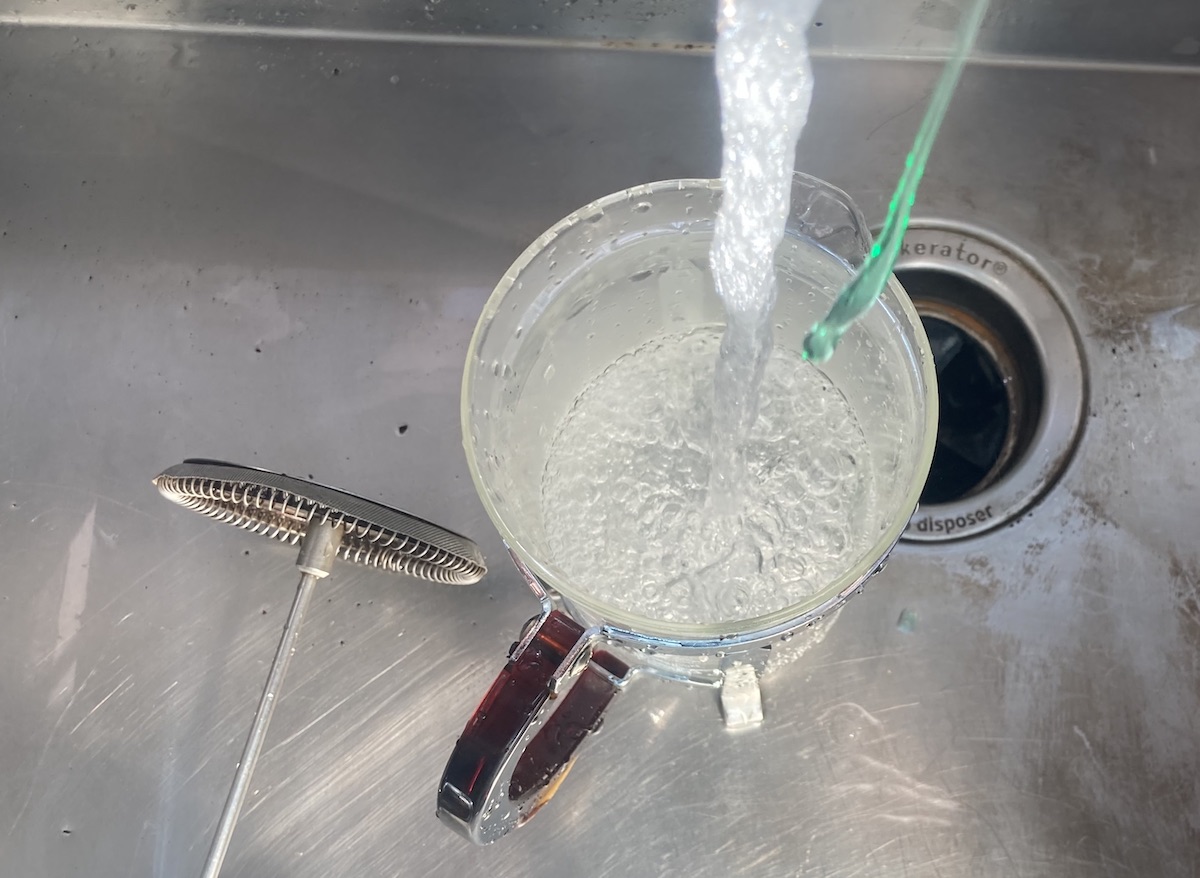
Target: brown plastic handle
{"points": [[519, 744]]}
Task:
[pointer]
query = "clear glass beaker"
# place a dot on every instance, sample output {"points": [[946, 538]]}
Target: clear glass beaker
{"points": [[600, 284]]}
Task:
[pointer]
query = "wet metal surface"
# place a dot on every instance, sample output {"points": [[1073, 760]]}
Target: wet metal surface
{"points": [[1159, 32], [274, 251]]}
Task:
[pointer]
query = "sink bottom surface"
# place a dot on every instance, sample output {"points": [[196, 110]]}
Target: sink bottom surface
{"points": [[274, 252]]}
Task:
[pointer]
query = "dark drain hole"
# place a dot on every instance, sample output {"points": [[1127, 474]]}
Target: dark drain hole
{"points": [[989, 382], [974, 415]]}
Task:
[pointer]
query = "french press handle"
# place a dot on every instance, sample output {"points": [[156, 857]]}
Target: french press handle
{"points": [[519, 744]]}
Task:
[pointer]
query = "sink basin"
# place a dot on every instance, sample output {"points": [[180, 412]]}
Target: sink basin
{"points": [[272, 248]]}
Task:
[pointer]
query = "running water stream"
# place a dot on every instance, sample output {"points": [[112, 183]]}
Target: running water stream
{"points": [[688, 499], [765, 80]]}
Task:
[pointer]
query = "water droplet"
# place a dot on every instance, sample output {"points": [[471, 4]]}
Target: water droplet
{"points": [[642, 206], [549, 373]]}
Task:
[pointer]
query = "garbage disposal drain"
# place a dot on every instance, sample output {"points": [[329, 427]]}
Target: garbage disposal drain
{"points": [[1010, 379]]}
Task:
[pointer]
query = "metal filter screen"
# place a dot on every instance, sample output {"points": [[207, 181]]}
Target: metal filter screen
{"points": [[281, 507]]}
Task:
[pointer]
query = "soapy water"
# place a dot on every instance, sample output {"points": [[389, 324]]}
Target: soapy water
{"points": [[628, 471]]}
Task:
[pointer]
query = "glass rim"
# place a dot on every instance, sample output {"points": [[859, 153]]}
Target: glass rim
{"points": [[700, 633]]}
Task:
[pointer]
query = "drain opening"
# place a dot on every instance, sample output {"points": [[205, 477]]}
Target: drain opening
{"points": [[989, 382], [1010, 379], [974, 417]]}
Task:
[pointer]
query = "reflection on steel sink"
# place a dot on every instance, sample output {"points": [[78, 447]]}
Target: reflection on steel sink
{"points": [[203, 226]]}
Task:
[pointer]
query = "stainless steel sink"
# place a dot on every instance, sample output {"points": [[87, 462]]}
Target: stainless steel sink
{"points": [[270, 245]]}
